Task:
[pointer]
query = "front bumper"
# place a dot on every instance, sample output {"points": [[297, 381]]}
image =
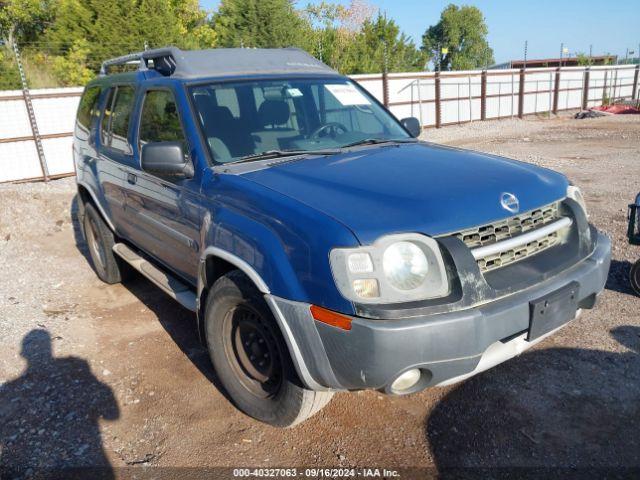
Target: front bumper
{"points": [[446, 347]]}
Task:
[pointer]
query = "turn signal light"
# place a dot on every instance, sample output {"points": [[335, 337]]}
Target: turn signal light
{"points": [[330, 318]]}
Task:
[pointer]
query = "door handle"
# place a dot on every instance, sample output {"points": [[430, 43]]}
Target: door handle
{"points": [[131, 178]]}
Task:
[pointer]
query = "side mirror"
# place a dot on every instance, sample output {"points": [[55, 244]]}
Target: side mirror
{"points": [[166, 159], [412, 124]]}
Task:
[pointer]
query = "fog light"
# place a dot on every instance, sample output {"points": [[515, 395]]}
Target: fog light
{"points": [[405, 381]]}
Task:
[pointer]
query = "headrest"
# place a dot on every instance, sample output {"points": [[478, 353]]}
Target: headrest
{"points": [[274, 112], [210, 112]]}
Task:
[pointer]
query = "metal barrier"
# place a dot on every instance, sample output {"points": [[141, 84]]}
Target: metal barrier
{"points": [[36, 125]]}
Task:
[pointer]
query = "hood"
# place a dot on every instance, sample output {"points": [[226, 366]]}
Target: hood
{"points": [[424, 188]]}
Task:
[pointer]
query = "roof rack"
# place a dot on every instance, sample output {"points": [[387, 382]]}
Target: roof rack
{"points": [[222, 62], [159, 59]]}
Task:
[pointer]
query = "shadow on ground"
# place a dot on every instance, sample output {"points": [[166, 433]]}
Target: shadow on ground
{"points": [[556, 407], [178, 322], [49, 416], [618, 280]]}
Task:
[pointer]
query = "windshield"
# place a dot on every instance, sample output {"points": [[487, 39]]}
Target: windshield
{"points": [[250, 118]]}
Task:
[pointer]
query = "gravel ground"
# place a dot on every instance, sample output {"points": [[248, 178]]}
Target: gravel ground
{"points": [[114, 376]]}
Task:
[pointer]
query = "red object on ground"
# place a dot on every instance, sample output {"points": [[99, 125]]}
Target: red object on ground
{"points": [[617, 109]]}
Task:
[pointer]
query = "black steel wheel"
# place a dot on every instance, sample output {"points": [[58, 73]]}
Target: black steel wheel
{"points": [[251, 357], [253, 351]]}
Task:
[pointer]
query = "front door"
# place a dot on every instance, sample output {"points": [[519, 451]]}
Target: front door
{"points": [[166, 212]]}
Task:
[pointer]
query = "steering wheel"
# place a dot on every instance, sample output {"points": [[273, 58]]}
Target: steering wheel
{"points": [[330, 128]]}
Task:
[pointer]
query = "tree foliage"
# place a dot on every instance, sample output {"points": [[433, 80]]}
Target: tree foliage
{"points": [[258, 23], [355, 40], [72, 37], [23, 18], [463, 31], [381, 45], [64, 41]]}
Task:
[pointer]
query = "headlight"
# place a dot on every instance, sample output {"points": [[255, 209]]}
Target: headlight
{"points": [[396, 268], [404, 265], [574, 193]]}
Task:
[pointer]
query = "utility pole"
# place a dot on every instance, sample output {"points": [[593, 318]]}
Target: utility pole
{"points": [[31, 113], [526, 43], [590, 55], [561, 50]]}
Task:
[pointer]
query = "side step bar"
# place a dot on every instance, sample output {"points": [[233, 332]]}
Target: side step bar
{"points": [[165, 281]]}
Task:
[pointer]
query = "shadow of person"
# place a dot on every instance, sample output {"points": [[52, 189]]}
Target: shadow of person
{"points": [[49, 417], [548, 409]]}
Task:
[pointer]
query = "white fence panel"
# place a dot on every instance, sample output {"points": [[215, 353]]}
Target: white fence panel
{"points": [[409, 95], [19, 161]]}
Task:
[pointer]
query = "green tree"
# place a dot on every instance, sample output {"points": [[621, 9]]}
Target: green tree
{"points": [[583, 59], [71, 69], [86, 32], [463, 31], [382, 43], [334, 31], [23, 19], [259, 23]]}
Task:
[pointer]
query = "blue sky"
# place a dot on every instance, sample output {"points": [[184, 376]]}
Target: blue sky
{"points": [[610, 26]]}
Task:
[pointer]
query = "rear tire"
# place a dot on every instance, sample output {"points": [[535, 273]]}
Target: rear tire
{"points": [[634, 277], [100, 240], [251, 357]]}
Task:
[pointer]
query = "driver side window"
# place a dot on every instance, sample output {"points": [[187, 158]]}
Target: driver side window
{"points": [[160, 121]]}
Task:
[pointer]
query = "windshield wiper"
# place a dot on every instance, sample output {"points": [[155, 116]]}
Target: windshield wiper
{"points": [[375, 141], [283, 153]]}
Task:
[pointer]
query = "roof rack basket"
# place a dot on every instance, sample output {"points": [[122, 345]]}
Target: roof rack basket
{"points": [[162, 60]]}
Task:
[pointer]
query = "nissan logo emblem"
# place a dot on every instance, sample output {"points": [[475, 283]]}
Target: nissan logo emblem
{"points": [[510, 202]]}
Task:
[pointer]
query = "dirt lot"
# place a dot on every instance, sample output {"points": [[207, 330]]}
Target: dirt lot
{"points": [[126, 382]]}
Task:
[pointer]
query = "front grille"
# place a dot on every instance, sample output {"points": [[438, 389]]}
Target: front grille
{"points": [[509, 228]]}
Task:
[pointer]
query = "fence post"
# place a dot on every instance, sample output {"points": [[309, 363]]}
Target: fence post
{"points": [[483, 95], [385, 89], [604, 86], [635, 83], [521, 95], [556, 92], [32, 116], [438, 102], [585, 89]]}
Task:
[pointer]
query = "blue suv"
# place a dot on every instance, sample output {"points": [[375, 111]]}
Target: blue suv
{"points": [[322, 246]]}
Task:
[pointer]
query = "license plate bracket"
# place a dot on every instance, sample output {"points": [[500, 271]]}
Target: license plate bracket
{"points": [[552, 310]]}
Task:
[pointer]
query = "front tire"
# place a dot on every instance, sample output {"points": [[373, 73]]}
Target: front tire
{"points": [[251, 357], [100, 240], [634, 277]]}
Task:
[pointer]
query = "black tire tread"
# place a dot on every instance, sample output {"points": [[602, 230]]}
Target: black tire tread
{"points": [[298, 403], [634, 277], [116, 270]]}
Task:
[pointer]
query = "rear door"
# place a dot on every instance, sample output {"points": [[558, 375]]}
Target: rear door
{"points": [[165, 208], [115, 155]]}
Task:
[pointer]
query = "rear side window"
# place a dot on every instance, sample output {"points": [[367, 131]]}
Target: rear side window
{"points": [[160, 121], [117, 115], [87, 108]]}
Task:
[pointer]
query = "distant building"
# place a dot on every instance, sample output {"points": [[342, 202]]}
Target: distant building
{"points": [[554, 62]]}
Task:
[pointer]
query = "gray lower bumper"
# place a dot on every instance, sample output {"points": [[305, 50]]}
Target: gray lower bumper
{"points": [[447, 346]]}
